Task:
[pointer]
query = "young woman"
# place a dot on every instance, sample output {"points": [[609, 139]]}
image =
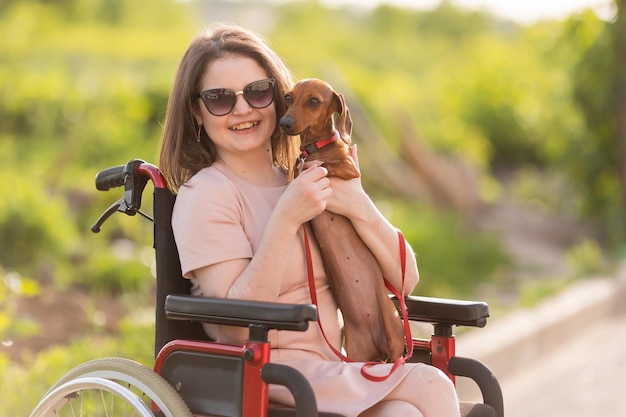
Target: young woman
{"points": [[238, 222]]}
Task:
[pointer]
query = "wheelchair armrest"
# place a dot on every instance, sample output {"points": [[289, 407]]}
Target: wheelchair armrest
{"points": [[241, 313], [446, 312]]}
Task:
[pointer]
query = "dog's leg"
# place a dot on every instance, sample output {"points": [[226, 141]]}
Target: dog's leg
{"points": [[372, 327], [343, 168]]}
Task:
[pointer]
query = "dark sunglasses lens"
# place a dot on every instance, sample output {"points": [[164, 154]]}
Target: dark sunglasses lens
{"points": [[259, 94], [219, 102]]}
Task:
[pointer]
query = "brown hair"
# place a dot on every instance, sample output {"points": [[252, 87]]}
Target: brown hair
{"points": [[182, 155]]}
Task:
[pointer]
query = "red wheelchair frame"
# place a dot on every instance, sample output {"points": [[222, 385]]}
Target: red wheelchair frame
{"points": [[215, 379]]}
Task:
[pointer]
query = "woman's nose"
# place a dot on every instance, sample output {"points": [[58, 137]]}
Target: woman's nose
{"points": [[241, 105]]}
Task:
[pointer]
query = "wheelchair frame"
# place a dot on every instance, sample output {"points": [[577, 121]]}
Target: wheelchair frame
{"points": [[201, 377]]}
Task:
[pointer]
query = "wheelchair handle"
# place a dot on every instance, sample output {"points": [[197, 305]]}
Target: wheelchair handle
{"points": [[111, 178], [135, 169], [133, 176]]}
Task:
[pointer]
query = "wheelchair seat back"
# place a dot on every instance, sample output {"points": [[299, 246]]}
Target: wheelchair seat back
{"points": [[169, 276]]}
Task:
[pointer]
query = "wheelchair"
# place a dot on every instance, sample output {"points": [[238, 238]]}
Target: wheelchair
{"points": [[194, 376]]}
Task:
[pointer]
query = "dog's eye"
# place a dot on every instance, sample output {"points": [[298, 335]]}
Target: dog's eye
{"points": [[288, 99], [313, 102]]}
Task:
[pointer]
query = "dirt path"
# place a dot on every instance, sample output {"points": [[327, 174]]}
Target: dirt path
{"points": [[564, 357], [61, 316], [586, 376]]}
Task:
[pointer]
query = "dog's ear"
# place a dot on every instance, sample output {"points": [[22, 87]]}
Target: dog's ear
{"points": [[343, 123]]}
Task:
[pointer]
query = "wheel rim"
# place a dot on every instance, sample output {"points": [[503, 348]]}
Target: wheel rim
{"points": [[92, 397], [149, 387]]}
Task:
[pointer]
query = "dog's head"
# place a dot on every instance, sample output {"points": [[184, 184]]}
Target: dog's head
{"points": [[311, 105]]}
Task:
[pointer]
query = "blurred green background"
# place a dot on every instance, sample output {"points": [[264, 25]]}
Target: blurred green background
{"points": [[496, 147]]}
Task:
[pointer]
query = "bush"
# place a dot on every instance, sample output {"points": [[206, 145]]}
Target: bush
{"points": [[12, 286], [36, 227], [451, 257], [22, 386], [121, 269]]}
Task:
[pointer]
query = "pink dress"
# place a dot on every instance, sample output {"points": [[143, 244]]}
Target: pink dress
{"points": [[219, 217]]}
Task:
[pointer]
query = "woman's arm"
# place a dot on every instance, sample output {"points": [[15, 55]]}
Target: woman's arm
{"points": [[381, 237], [260, 278]]}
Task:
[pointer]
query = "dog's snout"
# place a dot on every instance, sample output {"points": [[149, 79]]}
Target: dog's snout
{"points": [[286, 122]]}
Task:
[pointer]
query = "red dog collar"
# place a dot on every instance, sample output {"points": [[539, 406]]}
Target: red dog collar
{"points": [[316, 146]]}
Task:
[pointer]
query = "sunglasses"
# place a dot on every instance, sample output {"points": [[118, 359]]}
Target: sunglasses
{"points": [[221, 101]]}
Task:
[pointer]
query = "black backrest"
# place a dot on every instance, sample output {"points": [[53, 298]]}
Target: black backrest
{"points": [[169, 275]]}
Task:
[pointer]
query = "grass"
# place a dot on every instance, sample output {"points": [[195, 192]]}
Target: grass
{"points": [[22, 385]]}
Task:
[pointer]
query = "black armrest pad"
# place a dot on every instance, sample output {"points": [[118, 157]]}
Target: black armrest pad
{"points": [[242, 313], [446, 311]]}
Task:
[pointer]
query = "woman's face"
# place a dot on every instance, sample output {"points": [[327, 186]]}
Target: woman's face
{"points": [[245, 129]]}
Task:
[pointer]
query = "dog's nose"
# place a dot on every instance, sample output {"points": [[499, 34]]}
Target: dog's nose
{"points": [[286, 122]]}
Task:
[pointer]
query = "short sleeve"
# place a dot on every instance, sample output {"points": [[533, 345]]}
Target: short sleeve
{"points": [[207, 223]]}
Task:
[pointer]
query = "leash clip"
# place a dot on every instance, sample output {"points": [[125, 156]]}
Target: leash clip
{"points": [[300, 163]]}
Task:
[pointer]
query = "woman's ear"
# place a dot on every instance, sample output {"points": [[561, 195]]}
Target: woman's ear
{"points": [[197, 117], [196, 111]]}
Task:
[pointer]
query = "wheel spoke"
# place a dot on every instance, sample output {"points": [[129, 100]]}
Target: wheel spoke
{"points": [[133, 389]]}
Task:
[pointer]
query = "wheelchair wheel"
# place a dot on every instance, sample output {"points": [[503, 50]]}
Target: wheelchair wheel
{"points": [[143, 382], [91, 397]]}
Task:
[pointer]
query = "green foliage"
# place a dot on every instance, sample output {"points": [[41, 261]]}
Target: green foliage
{"points": [[13, 286], [80, 89], [95, 92], [86, 83], [452, 259], [496, 94], [595, 160], [39, 373], [120, 270], [586, 259], [35, 226], [407, 68], [546, 189], [533, 292]]}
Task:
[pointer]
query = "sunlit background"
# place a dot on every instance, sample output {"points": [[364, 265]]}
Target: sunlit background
{"points": [[488, 131]]}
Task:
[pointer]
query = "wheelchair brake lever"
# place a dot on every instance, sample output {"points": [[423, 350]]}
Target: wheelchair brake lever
{"points": [[117, 206], [145, 216]]}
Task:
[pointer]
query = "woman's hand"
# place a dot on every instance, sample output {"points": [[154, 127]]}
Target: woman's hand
{"points": [[348, 195], [306, 196]]}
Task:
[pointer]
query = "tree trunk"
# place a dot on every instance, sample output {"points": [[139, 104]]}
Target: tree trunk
{"points": [[620, 109]]}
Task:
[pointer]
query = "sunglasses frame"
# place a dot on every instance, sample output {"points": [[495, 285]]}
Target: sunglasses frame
{"points": [[234, 94]]}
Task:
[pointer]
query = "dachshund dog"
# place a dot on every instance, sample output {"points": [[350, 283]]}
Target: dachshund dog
{"points": [[372, 328]]}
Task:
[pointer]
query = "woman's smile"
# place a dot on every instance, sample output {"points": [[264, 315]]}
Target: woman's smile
{"points": [[244, 126]]}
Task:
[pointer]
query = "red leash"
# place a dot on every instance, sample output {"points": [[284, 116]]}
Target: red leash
{"points": [[400, 296]]}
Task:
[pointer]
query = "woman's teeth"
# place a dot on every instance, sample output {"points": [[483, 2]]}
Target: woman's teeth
{"points": [[244, 126]]}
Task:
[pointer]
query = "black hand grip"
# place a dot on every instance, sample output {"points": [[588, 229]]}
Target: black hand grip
{"points": [[110, 178], [483, 377], [296, 383]]}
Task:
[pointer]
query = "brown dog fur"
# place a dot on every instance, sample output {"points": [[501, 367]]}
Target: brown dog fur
{"points": [[372, 328]]}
